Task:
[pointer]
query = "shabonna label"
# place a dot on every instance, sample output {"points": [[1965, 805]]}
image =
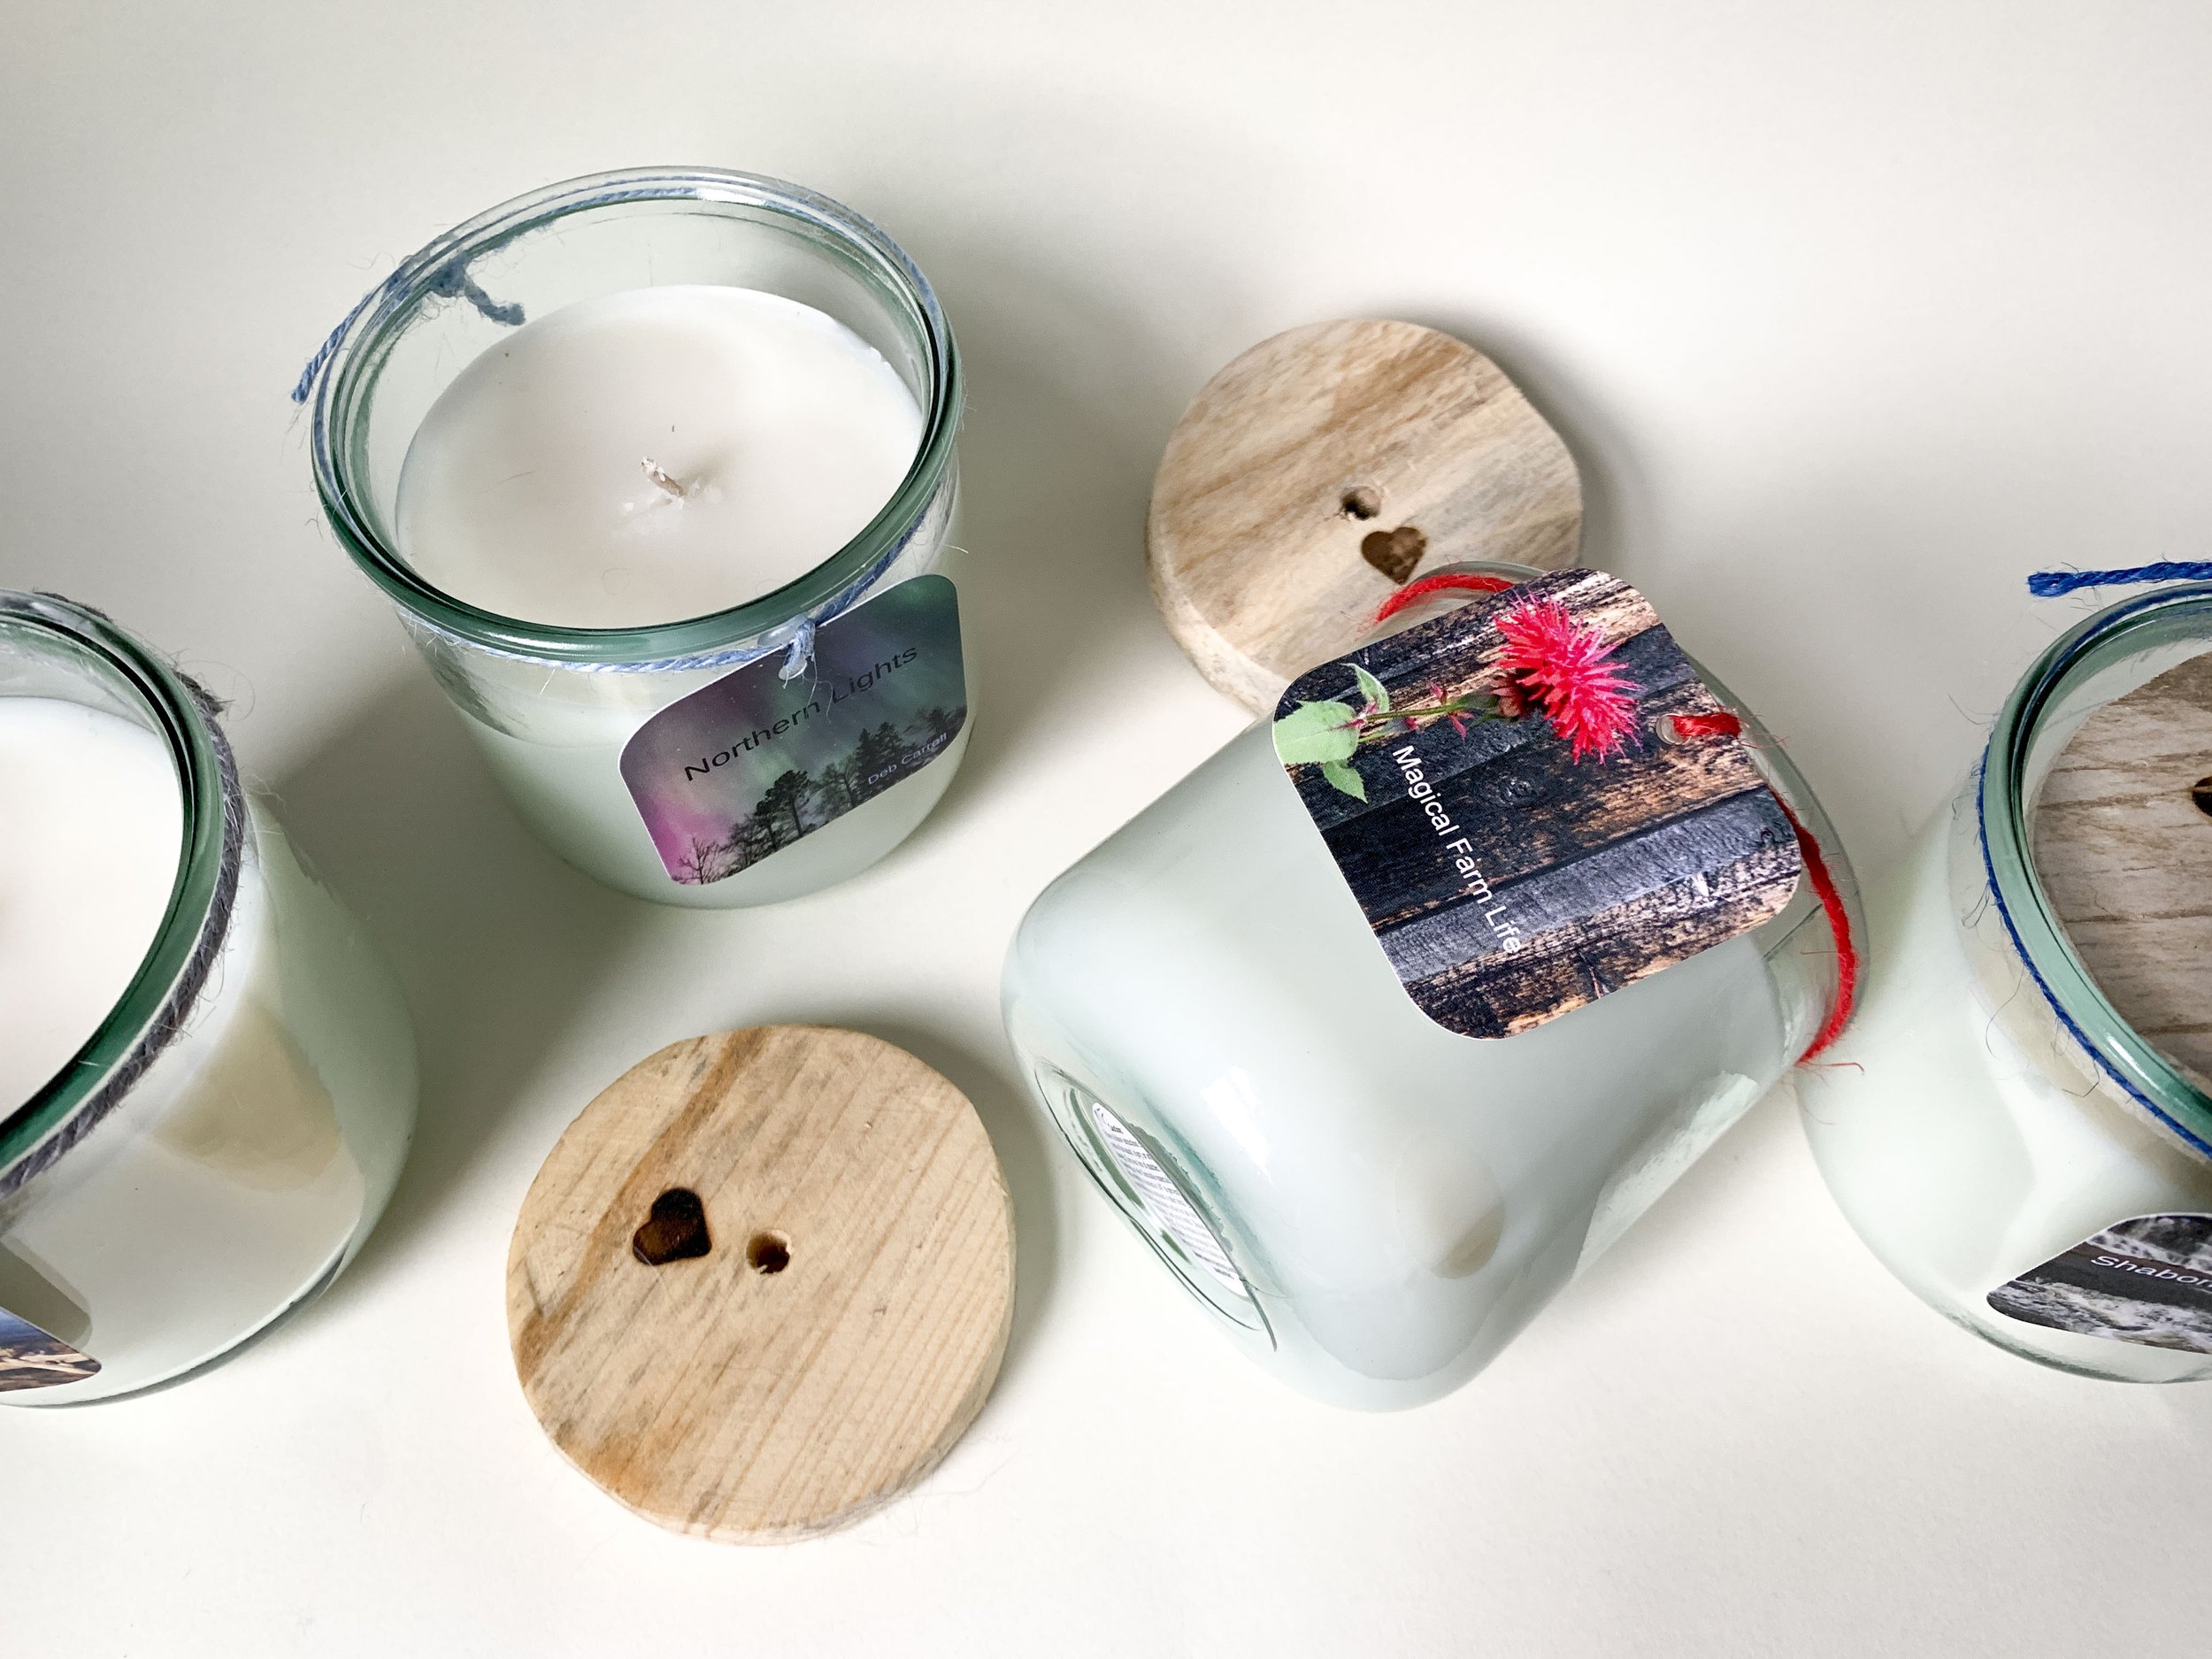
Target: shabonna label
{"points": [[2147, 1281]]}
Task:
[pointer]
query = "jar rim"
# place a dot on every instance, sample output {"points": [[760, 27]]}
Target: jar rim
{"points": [[2096, 643], [344, 375], [36, 1133]]}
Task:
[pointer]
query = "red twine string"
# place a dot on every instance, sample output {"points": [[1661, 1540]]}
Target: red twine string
{"points": [[1720, 723], [1429, 586]]}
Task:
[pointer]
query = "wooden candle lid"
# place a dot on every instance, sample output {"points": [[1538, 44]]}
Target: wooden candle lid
{"points": [[2122, 837], [1325, 467], [763, 1282]]}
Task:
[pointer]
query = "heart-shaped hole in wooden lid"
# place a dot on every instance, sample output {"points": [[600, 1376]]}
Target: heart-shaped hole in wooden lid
{"points": [[763, 1282], [1328, 465]]}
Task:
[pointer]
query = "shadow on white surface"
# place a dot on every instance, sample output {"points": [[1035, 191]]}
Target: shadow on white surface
{"points": [[1616, 499], [496, 942], [1064, 425]]}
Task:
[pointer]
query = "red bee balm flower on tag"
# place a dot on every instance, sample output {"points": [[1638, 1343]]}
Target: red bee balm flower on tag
{"points": [[1553, 663]]}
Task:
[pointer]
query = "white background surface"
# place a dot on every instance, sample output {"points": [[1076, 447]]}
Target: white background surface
{"points": [[1852, 314]]}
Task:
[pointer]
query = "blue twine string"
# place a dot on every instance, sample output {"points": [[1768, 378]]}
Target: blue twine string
{"points": [[2050, 997], [2053, 584]]}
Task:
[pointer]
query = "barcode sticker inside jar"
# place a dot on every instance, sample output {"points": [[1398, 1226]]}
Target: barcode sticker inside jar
{"points": [[1164, 1200]]}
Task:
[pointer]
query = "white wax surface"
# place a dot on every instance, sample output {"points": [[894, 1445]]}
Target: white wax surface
{"points": [[527, 490], [243, 1166], [91, 827], [1963, 1136]]}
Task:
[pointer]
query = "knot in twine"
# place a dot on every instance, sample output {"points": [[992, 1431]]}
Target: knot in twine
{"points": [[453, 281]]}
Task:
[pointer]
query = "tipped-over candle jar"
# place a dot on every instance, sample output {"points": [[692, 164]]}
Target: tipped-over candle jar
{"points": [[658, 469], [1251, 1011], [2022, 1132], [207, 1079]]}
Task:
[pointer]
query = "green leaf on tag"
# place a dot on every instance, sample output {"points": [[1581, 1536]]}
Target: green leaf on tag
{"points": [[1345, 778], [1317, 733], [1373, 689]]}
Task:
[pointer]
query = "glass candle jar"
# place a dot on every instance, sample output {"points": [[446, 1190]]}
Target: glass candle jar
{"points": [[555, 709], [220, 1143], [1990, 1110], [1371, 1205]]}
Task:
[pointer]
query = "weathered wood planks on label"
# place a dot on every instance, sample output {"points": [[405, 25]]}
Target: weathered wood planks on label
{"points": [[763, 1282], [1553, 882], [1328, 465], [2123, 849]]}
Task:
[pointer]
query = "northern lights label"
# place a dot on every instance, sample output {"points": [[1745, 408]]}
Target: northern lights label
{"points": [[742, 769]]}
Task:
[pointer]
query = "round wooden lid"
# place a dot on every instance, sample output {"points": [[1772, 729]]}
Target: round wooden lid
{"points": [[2122, 839], [763, 1282], [1325, 467]]}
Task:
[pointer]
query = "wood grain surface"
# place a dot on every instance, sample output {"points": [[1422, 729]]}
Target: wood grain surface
{"points": [[1328, 465], [2125, 852], [810, 1337]]}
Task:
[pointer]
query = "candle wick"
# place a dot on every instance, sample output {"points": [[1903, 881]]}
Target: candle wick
{"points": [[659, 475]]}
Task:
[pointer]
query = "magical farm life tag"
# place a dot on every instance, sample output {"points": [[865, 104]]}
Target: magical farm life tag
{"points": [[1508, 793], [740, 769], [2147, 1281]]}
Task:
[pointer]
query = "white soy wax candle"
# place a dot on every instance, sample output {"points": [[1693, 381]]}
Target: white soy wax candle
{"points": [[654, 454], [1371, 1204], [93, 825], [653, 466], [1993, 1118], [207, 1082]]}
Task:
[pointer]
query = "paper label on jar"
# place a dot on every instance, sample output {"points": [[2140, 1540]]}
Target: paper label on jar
{"points": [[33, 1358], [2146, 1281], [1164, 1200], [740, 769], [1506, 794]]}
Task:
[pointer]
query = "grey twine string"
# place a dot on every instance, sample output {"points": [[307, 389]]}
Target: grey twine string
{"points": [[184, 996], [453, 283]]}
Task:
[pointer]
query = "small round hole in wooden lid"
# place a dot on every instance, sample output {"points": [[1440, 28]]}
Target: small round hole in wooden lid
{"points": [[763, 1282], [1328, 465]]}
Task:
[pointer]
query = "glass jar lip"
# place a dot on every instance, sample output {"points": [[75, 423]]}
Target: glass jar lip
{"points": [[2089, 647], [338, 397], [73, 1099]]}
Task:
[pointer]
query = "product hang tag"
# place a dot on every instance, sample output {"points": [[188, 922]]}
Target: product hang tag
{"points": [[2147, 1280], [1506, 794], [740, 769], [33, 1358]]}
